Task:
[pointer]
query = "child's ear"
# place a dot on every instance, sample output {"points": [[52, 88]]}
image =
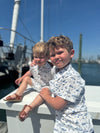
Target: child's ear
{"points": [[72, 53]]}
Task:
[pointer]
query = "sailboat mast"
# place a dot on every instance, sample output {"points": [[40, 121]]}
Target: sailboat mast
{"points": [[14, 23], [42, 17]]}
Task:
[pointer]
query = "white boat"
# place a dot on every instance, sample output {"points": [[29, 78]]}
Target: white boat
{"points": [[15, 56]]}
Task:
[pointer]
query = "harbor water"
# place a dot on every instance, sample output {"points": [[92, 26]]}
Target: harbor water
{"points": [[89, 72]]}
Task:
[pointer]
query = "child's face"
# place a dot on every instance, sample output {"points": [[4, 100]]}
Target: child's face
{"points": [[40, 61], [60, 57]]}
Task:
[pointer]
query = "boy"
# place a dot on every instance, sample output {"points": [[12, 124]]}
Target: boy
{"points": [[41, 73], [68, 88]]}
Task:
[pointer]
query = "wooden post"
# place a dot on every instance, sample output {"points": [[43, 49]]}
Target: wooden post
{"points": [[80, 54]]}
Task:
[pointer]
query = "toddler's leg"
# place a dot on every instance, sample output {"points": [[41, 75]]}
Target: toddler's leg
{"points": [[27, 80], [36, 102], [24, 113], [18, 95]]}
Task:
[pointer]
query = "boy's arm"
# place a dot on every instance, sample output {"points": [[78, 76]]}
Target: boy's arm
{"points": [[56, 102]]}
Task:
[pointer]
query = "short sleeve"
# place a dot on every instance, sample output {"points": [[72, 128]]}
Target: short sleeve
{"points": [[70, 89]]}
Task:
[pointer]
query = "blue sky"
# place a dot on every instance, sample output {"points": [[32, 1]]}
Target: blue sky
{"points": [[67, 17]]}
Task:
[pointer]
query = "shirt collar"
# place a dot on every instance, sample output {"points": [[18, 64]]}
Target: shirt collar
{"points": [[61, 69]]}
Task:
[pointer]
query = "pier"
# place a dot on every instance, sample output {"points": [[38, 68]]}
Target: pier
{"points": [[41, 119]]}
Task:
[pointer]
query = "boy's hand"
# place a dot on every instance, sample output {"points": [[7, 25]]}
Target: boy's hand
{"points": [[33, 63], [45, 92]]}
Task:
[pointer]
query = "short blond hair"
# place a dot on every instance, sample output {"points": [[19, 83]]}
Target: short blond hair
{"points": [[41, 49]]}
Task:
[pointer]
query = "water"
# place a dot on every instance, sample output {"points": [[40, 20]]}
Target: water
{"points": [[89, 72]]}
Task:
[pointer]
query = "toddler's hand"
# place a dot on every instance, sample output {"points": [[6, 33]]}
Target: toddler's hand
{"points": [[18, 81]]}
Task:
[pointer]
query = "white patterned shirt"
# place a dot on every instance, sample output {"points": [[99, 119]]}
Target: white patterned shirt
{"points": [[73, 118], [41, 76]]}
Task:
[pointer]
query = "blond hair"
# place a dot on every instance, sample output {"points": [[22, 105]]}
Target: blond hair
{"points": [[41, 49]]}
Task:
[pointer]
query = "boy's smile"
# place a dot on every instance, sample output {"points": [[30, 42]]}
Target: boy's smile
{"points": [[60, 57]]}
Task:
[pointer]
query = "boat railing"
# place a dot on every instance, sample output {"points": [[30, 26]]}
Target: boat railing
{"points": [[19, 55]]}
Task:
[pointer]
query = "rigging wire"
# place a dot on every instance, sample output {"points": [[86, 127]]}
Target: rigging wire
{"points": [[48, 19], [21, 20], [25, 27], [61, 19]]}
